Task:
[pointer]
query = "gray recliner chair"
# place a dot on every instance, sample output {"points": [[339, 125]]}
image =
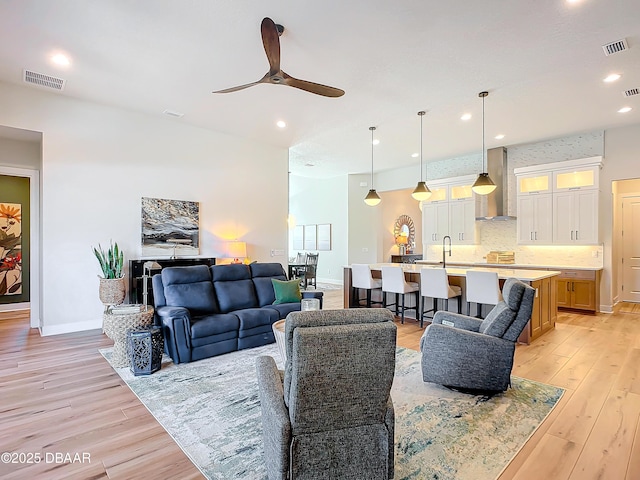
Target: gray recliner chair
{"points": [[477, 355], [330, 414]]}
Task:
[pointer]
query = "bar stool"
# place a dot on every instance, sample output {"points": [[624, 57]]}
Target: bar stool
{"points": [[361, 278], [482, 288], [393, 282], [434, 283]]}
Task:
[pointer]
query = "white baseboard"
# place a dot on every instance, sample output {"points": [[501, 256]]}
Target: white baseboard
{"points": [[47, 330], [606, 308], [331, 281], [10, 307]]}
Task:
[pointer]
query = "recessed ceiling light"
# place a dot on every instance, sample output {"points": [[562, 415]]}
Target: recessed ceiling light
{"points": [[60, 59], [281, 124], [625, 110], [415, 155], [612, 78], [376, 141], [466, 116], [499, 137], [574, 1]]}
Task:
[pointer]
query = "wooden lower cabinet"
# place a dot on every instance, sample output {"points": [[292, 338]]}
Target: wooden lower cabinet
{"points": [[579, 289], [545, 312]]}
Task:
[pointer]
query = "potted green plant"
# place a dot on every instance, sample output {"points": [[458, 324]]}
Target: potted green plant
{"points": [[112, 287]]}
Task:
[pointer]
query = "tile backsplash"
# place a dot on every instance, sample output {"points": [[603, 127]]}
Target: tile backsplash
{"points": [[502, 235]]}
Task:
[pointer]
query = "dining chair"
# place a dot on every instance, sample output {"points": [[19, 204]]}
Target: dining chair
{"points": [[434, 283], [361, 279], [310, 268], [393, 281], [482, 288]]}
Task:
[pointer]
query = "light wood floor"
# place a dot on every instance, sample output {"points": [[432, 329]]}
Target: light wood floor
{"points": [[58, 395]]}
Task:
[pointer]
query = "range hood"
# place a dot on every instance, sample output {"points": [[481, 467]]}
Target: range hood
{"points": [[495, 205]]}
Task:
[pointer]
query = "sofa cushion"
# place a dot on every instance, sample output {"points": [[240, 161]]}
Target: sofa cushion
{"points": [[512, 292], [189, 287], [498, 320], [286, 291], [233, 287], [255, 317], [209, 325], [262, 273]]}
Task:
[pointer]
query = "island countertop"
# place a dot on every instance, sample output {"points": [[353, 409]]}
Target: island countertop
{"points": [[524, 275], [506, 265]]}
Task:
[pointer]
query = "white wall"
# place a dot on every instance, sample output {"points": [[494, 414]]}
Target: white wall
{"points": [[314, 202], [621, 162], [19, 153], [365, 231], [97, 162]]}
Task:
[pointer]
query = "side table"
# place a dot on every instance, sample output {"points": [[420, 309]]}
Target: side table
{"points": [[116, 327], [278, 333]]}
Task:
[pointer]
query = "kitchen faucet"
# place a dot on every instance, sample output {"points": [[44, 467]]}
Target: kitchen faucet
{"points": [[444, 241]]}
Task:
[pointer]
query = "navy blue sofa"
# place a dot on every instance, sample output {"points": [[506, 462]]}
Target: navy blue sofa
{"points": [[207, 311]]}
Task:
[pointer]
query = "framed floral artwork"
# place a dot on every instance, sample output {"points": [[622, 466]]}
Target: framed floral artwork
{"points": [[10, 249]]}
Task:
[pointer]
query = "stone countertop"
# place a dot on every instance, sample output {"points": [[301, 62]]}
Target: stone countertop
{"points": [[507, 265], [525, 275]]}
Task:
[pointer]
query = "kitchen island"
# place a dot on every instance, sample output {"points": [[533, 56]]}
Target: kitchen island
{"points": [[545, 309]]}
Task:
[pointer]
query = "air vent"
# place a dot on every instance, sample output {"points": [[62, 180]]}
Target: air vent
{"points": [[43, 80], [171, 113], [631, 92], [615, 47]]}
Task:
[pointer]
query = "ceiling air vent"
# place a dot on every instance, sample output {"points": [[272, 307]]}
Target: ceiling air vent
{"points": [[631, 92], [615, 47], [43, 80]]}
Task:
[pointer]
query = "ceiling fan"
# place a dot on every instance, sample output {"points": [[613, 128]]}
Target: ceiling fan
{"points": [[271, 41]]}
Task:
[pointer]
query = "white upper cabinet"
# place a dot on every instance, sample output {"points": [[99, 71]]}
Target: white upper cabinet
{"points": [[566, 212], [435, 222], [535, 183], [575, 217], [451, 210], [535, 223], [579, 178]]}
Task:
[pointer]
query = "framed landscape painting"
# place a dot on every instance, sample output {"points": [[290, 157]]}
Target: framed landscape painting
{"points": [[170, 227]]}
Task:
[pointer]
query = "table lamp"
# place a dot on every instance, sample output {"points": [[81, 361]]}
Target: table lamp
{"points": [[402, 242], [236, 250]]}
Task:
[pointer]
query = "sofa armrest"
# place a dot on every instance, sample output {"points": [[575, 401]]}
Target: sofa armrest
{"points": [[176, 329], [318, 295], [276, 427], [463, 322]]}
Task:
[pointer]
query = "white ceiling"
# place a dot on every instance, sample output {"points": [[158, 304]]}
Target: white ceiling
{"points": [[541, 61]]}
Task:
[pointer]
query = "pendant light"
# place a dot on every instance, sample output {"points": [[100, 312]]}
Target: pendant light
{"points": [[484, 185], [372, 199], [421, 192]]}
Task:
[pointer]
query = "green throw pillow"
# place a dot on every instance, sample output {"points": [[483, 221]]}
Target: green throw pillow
{"points": [[286, 292]]}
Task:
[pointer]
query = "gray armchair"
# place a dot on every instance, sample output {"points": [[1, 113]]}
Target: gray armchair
{"points": [[330, 414], [471, 354]]}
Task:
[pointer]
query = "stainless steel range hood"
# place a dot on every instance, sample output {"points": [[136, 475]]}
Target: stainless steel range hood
{"points": [[495, 205]]}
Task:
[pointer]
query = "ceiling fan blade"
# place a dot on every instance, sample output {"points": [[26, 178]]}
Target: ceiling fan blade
{"points": [[264, 79], [316, 88], [271, 42]]}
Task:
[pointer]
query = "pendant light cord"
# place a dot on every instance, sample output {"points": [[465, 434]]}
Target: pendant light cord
{"points": [[483, 149], [421, 113], [372, 129]]}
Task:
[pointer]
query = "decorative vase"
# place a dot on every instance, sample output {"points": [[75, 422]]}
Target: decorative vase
{"points": [[112, 291]]}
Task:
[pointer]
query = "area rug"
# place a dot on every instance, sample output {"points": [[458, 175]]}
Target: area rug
{"points": [[212, 410]]}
